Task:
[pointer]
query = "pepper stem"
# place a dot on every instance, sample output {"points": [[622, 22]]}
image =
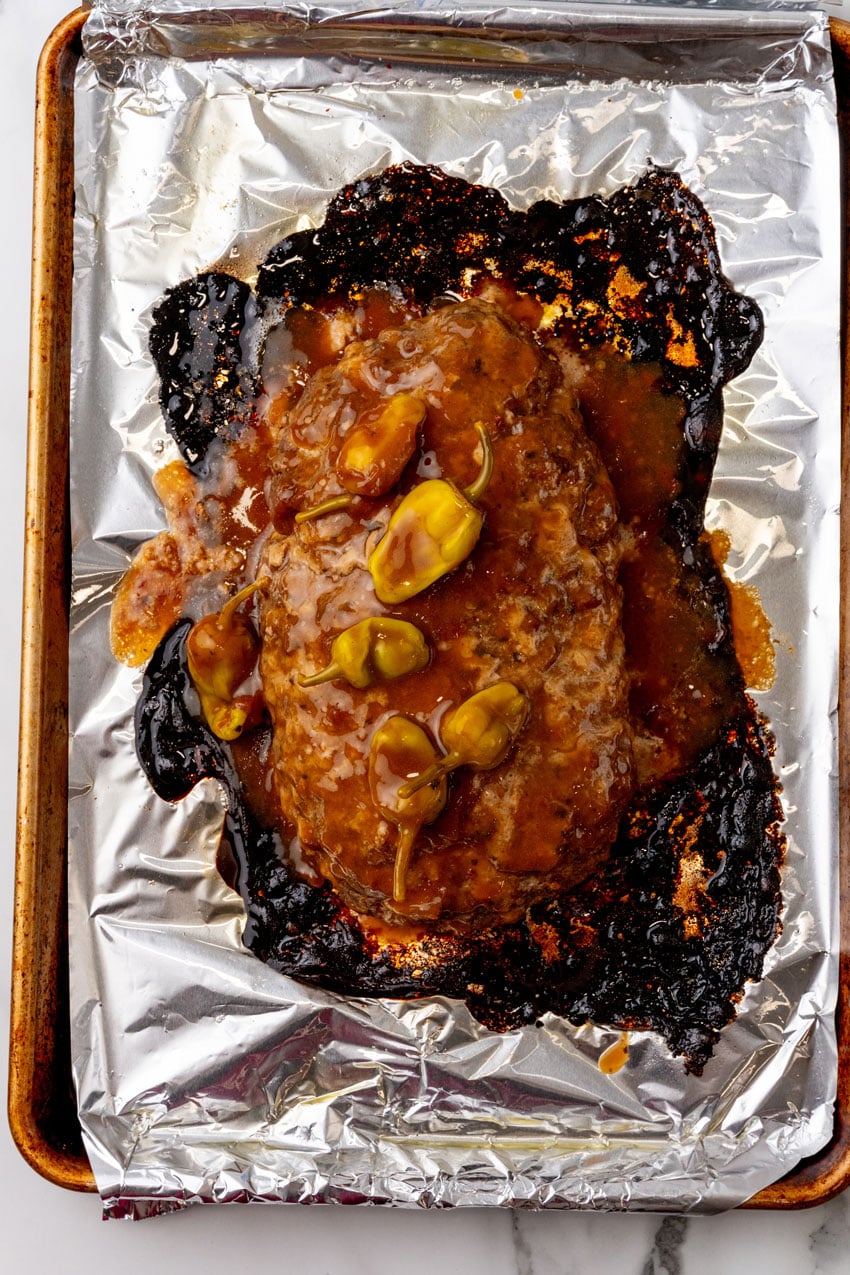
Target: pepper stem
{"points": [[326, 507], [476, 490], [428, 776], [238, 598], [327, 674], [406, 838]]}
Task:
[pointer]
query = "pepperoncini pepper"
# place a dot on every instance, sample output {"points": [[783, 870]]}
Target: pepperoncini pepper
{"points": [[377, 448], [478, 734], [374, 453], [228, 719], [222, 650], [378, 649], [401, 748], [433, 530]]}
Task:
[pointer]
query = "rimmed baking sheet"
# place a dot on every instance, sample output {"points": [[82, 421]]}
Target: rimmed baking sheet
{"points": [[24, 741]]}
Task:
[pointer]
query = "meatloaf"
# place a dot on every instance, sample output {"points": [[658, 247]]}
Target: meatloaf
{"points": [[536, 603]]}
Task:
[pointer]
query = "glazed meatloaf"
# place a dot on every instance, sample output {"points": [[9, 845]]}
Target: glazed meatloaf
{"points": [[534, 605]]}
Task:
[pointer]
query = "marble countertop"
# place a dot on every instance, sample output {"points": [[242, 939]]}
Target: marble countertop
{"points": [[51, 1229]]}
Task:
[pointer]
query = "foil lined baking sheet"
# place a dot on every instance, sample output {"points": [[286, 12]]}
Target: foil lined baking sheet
{"points": [[202, 138]]}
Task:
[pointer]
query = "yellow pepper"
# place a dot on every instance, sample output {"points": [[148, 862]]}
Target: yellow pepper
{"points": [[374, 453], [401, 748], [433, 530], [478, 733], [221, 652], [228, 718], [378, 649], [376, 450]]}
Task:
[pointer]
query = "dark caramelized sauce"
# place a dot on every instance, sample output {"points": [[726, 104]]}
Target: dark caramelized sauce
{"points": [[207, 378], [666, 936], [638, 429], [251, 758], [685, 679], [640, 270]]}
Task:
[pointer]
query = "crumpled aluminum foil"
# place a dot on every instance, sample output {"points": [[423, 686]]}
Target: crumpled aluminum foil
{"points": [[203, 137]]}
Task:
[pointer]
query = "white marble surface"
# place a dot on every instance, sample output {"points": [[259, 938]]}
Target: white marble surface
{"points": [[46, 1229]]}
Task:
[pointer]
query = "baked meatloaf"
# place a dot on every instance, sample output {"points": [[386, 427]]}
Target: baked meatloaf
{"points": [[535, 604]]}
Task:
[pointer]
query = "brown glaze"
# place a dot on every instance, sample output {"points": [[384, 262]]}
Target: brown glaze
{"points": [[754, 643], [536, 603]]}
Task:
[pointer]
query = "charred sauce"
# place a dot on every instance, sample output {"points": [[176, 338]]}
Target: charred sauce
{"points": [[666, 935]]}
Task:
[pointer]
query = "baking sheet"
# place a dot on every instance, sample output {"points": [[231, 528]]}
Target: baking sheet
{"points": [[302, 1094]]}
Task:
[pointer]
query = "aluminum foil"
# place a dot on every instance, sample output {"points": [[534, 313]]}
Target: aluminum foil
{"points": [[203, 137]]}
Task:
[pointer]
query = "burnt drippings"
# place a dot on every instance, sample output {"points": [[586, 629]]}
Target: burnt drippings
{"points": [[623, 949], [177, 750], [207, 385], [412, 227], [174, 746], [640, 270], [689, 903], [665, 937]]}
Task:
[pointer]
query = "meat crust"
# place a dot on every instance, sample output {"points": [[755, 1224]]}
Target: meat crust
{"points": [[536, 603]]}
